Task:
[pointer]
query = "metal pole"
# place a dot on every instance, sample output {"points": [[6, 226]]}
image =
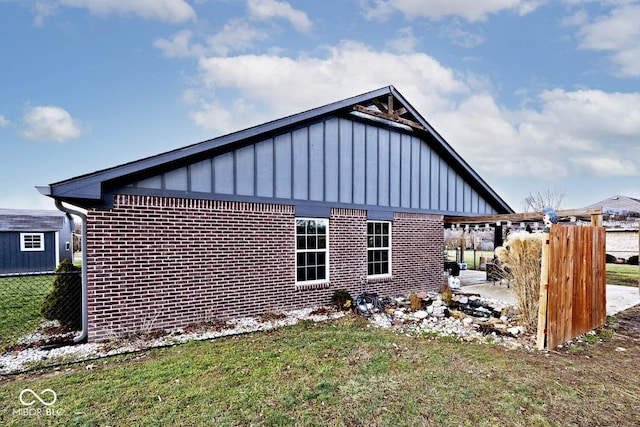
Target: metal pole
{"points": [[85, 310]]}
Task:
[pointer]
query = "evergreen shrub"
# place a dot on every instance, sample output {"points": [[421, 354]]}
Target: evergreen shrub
{"points": [[64, 302]]}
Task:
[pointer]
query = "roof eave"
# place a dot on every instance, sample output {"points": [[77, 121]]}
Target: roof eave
{"points": [[90, 187]]}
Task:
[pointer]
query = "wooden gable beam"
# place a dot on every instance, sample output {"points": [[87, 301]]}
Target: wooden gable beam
{"points": [[399, 112], [380, 106], [388, 116]]}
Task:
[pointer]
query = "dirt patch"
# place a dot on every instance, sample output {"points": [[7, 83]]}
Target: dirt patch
{"points": [[599, 368], [629, 322]]}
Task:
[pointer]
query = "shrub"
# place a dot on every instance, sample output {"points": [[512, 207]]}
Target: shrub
{"points": [[611, 259], [342, 299], [64, 302], [521, 258], [633, 260], [446, 293]]}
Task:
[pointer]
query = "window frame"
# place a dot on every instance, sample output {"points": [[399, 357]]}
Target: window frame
{"points": [[388, 248], [325, 279], [31, 248]]}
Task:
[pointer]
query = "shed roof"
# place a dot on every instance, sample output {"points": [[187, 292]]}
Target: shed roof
{"points": [[31, 220], [385, 105], [618, 205]]}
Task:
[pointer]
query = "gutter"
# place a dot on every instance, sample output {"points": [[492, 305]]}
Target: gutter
{"points": [[85, 309]]}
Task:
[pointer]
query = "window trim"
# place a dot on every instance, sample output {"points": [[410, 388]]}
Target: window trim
{"points": [[23, 246], [388, 248], [312, 284]]}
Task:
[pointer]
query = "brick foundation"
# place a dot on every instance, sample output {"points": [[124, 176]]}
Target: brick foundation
{"points": [[166, 263]]}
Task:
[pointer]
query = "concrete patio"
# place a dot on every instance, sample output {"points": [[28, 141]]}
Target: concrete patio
{"points": [[619, 298]]}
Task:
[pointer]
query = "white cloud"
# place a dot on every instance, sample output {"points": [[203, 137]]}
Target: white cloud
{"points": [[528, 6], [267, 9], [581, 132], [461, 37], [235, 36], [492, 142], [286, 85], [179, 45], [49, 123], [470, 10], [405, 42], [225, 120], [618, 30], [628, 62], [619, 34], [175, 11], [378, 10], [27, 200], [191, 97], [607, 164], [593, 114], [562, 133], [578, 18], [42, 11], [3, 121]]}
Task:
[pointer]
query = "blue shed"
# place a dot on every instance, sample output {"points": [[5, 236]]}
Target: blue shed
{"points": [[34, 240]]}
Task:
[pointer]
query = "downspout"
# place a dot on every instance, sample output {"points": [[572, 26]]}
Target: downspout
{"points": [[85, 309]]}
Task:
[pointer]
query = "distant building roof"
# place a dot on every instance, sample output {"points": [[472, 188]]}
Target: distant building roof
{"points": [[31, 220], [618, 205]]}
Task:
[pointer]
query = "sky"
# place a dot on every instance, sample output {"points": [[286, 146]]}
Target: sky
{"points": [[535, 95]]}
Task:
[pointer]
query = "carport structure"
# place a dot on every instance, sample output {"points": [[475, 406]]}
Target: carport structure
{"points": [[573, 270]]}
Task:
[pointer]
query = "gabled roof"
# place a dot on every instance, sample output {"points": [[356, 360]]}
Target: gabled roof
{"points": [[618, 205], [30, 220], [385, 105]]}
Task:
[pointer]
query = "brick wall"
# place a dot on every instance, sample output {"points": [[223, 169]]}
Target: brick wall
{"points": [[622, 244], [348, 248], [167, 263], [172, 262], [418, 244]]}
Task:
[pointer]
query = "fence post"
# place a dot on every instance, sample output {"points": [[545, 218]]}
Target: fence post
{"points": [[544, 286], [639, 253]]}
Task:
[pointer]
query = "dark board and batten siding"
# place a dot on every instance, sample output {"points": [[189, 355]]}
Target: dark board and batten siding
{"points": [[15, 260], [336, 160]]}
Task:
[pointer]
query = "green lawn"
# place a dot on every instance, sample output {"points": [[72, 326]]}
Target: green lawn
{"points": [[472, 260], [20, 299], [622, 274], [77, 259], [340, 373]]}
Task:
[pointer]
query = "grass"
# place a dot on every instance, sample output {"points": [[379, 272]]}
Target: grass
{"points": [[339, 373], [622, 274], [472, 263], [20, 299], [77, 259]]}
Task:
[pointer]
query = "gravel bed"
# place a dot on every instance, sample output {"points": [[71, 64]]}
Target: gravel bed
{"points": [[418, 323], [30, 358]]}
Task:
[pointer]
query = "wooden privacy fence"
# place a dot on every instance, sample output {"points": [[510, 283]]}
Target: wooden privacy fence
{"points": [[572, 284]]}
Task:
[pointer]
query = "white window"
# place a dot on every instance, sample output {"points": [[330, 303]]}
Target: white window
{"points": [[378, 248], [312, 250], [31, 242]]}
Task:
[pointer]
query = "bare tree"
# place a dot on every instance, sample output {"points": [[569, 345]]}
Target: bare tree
{"points": [[551, 197]]}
